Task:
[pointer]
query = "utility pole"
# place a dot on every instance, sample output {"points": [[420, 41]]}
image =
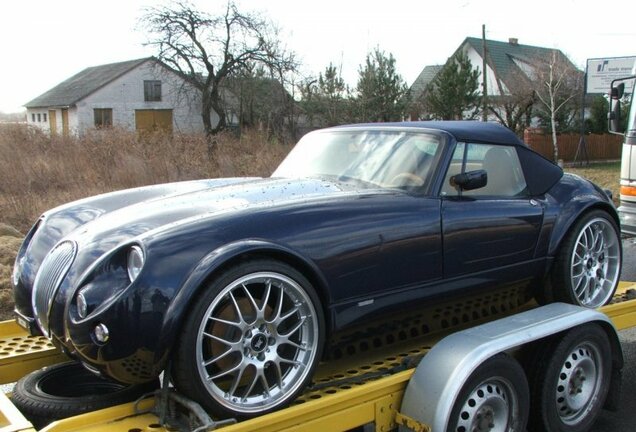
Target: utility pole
{"points": [[484, 82], [581, 150]]}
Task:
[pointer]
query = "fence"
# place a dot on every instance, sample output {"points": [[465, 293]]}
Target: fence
{"points": [[599, 147]]}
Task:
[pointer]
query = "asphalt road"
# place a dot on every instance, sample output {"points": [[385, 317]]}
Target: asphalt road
{"points": [[624, 420]]}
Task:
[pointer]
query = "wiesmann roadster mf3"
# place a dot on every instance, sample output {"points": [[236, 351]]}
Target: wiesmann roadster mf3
{"points": [[237, 283]]}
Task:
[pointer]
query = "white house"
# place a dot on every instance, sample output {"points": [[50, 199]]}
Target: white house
{"points": [[508, 64], [136, 95]]}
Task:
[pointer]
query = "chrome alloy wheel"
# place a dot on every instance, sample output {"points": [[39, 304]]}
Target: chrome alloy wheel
{"points": [[578, 384], [489, 407], [256, 342], [595, 264]]}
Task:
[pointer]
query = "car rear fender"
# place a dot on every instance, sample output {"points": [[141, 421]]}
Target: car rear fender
{"points": [[223, 258], [568, 216]]}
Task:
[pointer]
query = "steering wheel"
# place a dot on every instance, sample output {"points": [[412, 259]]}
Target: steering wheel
{"points": [[407, 179]]}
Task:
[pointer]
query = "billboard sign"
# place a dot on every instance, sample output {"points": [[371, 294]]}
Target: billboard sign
{"points": [[601, 72]]}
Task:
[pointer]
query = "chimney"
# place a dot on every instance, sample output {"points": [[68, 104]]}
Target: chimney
{"points": [[513, 41]]}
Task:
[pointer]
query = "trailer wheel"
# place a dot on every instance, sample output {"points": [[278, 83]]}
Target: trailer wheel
{"points": [[67, 389], [571, 380], [495, 398]]}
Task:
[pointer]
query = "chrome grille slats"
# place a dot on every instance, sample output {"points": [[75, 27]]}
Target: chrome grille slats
{"points": [[48, 280]]}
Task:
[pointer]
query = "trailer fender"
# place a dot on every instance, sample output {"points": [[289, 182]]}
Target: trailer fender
{"points": [[435, 385]]}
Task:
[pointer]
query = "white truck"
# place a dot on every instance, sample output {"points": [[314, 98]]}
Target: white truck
{"points": [[627, 209]]}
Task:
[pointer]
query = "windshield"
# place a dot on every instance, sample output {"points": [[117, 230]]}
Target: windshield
{"points": [[381, 158]]}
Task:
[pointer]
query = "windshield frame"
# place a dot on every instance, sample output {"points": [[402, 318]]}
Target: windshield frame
{"points": [[426, 188]]}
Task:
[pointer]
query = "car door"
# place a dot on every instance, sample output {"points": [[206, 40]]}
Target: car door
{"points": [[492, 230]]}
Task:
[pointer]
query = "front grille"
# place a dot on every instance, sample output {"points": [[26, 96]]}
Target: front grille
{"points": [[48, 280]]}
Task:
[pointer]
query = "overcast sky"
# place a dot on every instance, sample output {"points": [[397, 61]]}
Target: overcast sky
{"points": [[44, 42]]}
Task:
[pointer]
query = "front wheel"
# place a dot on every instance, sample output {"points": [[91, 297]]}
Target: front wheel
{"points": [[588, 266], [252, 341]]}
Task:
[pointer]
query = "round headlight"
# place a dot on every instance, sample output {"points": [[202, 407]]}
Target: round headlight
{"points": [[82, 306], [135, 262]]}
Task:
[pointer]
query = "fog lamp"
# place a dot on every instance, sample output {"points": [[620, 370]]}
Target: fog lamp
{"points": [[101, 334]]}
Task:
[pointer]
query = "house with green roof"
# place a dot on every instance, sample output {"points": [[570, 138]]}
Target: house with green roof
{"points": [[139, 94], [509, 65]]}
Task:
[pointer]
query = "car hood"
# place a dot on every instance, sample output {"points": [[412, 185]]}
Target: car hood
{"points": [[136, 219], [100, 224]]}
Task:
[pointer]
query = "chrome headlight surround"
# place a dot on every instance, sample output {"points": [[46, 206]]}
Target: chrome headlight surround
{"points": [[20, 258], [17, 270], [106, 278], [135, 262]]}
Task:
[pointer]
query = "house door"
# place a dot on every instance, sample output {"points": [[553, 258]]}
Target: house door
{"points": [[64, 122], [152, 120], [53, 122]]}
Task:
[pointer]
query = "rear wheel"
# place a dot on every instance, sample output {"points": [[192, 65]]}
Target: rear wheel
{"points": [[587, 268], [252, 341], [571, 380], [495, 398]]}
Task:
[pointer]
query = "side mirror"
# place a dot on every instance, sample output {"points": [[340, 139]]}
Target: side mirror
{"points": [[470, 180], [618, 91], [614, 116]]}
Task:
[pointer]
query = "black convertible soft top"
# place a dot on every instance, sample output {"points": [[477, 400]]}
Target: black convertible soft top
{"points": [[464, 131]]}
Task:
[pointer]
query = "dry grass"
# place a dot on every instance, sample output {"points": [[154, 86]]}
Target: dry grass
{"points": [[9, 245], [605, 175], [38, 172]]}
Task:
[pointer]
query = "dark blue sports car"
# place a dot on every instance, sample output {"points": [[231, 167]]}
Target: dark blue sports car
{"points": [[237, 283]]}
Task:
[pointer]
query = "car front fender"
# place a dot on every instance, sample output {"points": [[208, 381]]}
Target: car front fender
{"points": [[215, 262]]}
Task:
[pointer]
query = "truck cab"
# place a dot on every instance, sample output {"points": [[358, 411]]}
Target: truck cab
{"points": [[627, 208]]}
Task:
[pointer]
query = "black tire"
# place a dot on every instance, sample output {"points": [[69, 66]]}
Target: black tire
{"points": [[236, 350], [495, 398], [68, 389], [582, 275], [561, 400]]}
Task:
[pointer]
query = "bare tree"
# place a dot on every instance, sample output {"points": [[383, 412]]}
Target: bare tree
{"points": [[205, 49], [556, 83]]}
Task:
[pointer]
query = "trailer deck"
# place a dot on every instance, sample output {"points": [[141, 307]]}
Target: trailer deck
{"points": [[362, 381]]}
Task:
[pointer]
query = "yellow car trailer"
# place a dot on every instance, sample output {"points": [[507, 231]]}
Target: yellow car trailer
{"points": [[364, 382]]}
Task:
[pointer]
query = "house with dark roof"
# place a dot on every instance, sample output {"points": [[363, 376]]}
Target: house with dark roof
{"points": [[508, 64], [139, 94], [418, 89]]}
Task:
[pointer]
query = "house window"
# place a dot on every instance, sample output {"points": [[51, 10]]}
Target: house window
{"points": [[103, 117], [33, 117], [44, 117], [39, 117], [152, 91]]}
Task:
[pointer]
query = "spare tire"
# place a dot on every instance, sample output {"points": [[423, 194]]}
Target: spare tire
{"points": [[68, 389]]}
